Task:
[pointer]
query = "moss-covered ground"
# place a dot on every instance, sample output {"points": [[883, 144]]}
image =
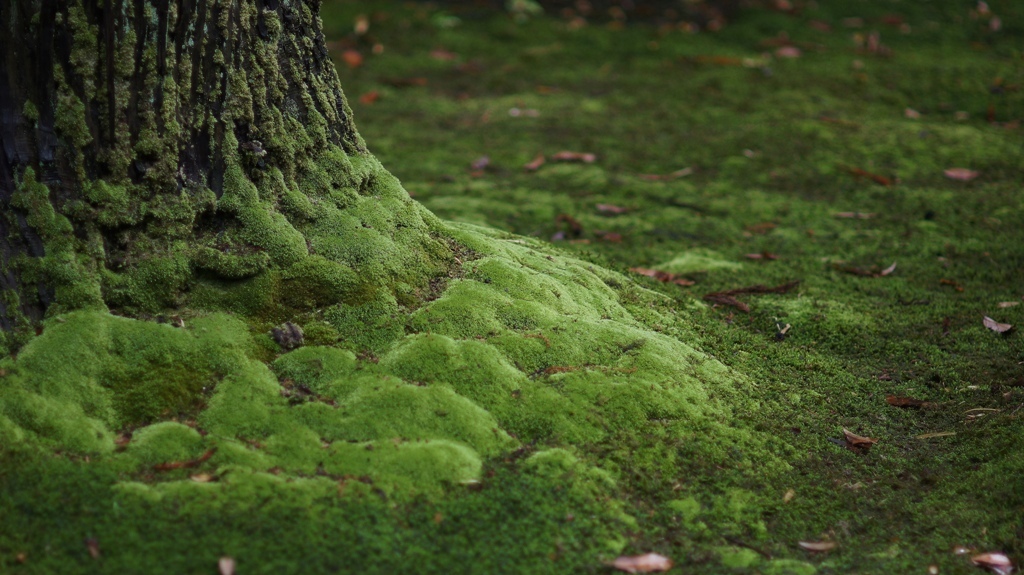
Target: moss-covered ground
{"points": [[544, 408]]}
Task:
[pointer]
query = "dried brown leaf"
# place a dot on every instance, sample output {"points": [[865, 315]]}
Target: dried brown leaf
{"points": [[728, 300], [788, 52], [442, 54], [662, 276], [961, 174], [611, 209], [481, 163], [996, 326], [93, 546], [613, 237], [900, 401], [818, 546], [534, 164], [1006, 304], [226, 566], [912, 113], [948, 282], [760, 289], [888, 270], [858, 440], [648, 563], [878, 179], [352, 58], [566, 156], [761, 228], [369, 97], [997, 563]]}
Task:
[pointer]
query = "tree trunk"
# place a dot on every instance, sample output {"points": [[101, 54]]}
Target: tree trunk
{"points": [[161, 155]]}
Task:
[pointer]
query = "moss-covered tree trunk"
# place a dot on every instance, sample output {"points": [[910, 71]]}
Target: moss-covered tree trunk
{"points": [[153, 147]]}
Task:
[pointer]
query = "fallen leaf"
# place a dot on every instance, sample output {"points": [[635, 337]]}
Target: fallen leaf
{"points": [[1005, 304], [854, 215], [911, 113], [609, 236], [442, 54], [869, 273], [611, 209], [534, 164], [352, 58], [820, 26], [726, 297], [817, 546], [575, 228], [727, 300], [201, 478], [788, 52], [566, 156], [996, 326], [788, 496], [481, 163], [761, 289], [93, 546], [369, 97], [878, 179], [663, 276], [362, 25], [717, 60], [947, 282], [900, 401], [997, 563], [762, 256], [226, 566], [961, 174], [761, 229], [858, 440], [648, 563]]}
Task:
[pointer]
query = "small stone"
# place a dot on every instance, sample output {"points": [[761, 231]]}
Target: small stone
{"points": [[287, 335]]}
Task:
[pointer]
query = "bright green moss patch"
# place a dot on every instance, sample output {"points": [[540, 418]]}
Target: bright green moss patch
{"points": [[471, 398]]}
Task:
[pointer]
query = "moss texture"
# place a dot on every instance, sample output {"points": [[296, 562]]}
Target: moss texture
{"points": [[469, 399]]}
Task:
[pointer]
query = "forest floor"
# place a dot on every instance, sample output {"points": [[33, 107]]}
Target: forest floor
{"points": [[872, 151]]}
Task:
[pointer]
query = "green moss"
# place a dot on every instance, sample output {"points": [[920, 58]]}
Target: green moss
{"points": [[30, 111], [501, 410], [70, 272], [317, 282]]}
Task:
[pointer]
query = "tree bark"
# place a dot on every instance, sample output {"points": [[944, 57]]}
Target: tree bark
{"points": [[152, 146]]}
